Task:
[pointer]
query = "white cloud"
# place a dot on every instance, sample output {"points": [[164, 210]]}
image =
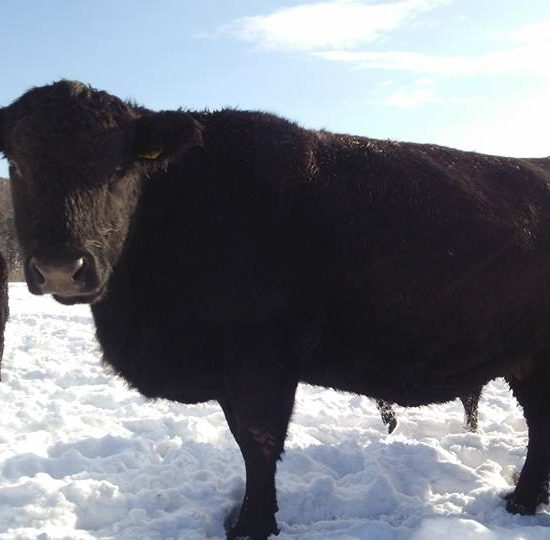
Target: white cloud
{"points": [[345, 31], [531, 57], [533, 34], [423, 92], [404, 99], [396, 61], [517, 128], [331, 25]]}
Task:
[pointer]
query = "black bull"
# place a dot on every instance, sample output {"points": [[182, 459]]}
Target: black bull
{"points": [[231, 255]]}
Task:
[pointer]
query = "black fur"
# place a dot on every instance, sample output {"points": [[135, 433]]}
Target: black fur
{"points": [[1, 133], [4, 308], [250, 254]]}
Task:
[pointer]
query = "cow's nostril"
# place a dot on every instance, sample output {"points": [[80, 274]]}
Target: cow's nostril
{"points": [[37, 273], [60, 275], [80, 269]]}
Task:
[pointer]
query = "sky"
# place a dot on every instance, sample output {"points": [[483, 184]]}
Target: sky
{"points": [[472, 74]]}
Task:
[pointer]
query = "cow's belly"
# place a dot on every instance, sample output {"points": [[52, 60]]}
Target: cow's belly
{"points": [[428, 359], [414, 382]]}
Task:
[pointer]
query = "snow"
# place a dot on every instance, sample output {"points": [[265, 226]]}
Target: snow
{"points": [[83, 457]]}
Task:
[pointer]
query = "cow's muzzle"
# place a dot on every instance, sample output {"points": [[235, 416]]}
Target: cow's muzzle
{"points": [[71, 276]]}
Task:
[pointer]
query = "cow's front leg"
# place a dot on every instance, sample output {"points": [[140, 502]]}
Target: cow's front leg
{"points": [[260, 388]]}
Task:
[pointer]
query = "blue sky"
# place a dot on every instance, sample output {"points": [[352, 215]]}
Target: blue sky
{"points": [[473, 74]]}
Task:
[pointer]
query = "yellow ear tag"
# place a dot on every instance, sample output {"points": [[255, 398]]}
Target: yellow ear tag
{"points": [[152, 154]]}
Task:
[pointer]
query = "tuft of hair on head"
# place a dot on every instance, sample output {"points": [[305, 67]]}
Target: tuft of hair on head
{"points": [[78, 87], [74, 88]]}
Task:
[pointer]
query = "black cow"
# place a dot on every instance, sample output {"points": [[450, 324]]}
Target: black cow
{"points": [[4, 309], [230, 255]]}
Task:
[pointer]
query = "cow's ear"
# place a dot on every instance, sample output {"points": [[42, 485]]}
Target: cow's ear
{"points": [[161, 135]]}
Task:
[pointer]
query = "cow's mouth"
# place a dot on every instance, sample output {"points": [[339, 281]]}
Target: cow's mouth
{"points": [[82, 298]]}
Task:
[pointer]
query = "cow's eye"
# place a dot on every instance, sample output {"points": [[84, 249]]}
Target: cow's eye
{"points": [[120, 171]]}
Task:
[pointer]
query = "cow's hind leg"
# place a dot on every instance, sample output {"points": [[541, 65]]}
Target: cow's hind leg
{"points": [[387, 414], [531, 391], [471, 402], [257, 405]]}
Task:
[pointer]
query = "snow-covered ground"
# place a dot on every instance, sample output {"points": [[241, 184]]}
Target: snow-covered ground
{"points": [[82, 457]]}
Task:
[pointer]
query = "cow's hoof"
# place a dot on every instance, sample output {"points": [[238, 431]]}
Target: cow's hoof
{"points": [[525, 506], [243, 532], [237, 533]]}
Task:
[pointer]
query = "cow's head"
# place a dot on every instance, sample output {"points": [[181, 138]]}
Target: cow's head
{"points": [[78, 158]]}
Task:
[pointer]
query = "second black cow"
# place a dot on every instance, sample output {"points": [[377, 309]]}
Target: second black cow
{"points": [[230, 255], [4, 305]]}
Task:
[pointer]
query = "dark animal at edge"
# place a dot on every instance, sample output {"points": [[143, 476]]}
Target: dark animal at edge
{"points": [[4, 308], [230, 255]]}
